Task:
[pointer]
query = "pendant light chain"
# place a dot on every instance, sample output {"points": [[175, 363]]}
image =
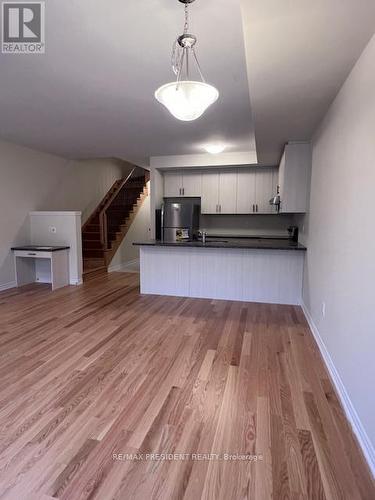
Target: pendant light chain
{"points": [[186, 30], [186, 27]]}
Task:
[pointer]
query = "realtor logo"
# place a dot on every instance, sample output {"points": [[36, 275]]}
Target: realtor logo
{"points": [[23, 28]]}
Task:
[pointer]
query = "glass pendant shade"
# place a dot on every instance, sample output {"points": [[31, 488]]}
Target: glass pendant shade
{"points": [[187, 100]]}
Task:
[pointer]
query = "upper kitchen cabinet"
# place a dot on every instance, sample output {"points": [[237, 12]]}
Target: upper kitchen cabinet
{"points": [[177, 184], [192, 184], [172, 184], [219, 192], [210, 192], [227, 191], [265, 178], [246, 191], [255, 187], [294, 177]]}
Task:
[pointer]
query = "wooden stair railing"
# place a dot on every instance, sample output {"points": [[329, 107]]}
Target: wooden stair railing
{"points": [[106, 228]]}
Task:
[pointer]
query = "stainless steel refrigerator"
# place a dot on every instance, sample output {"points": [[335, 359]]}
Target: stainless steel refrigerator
{"points": [[180, 219]]}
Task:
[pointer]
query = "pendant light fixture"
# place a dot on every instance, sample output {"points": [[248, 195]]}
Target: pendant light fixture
{"points": [[186, 99]]}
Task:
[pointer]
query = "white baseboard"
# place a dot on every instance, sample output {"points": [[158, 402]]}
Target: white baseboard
{"points": [[350, 412], [76, 282], [125, 267], [13, 284], [6, 286]]}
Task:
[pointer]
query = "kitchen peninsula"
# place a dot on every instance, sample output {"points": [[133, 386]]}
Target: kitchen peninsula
{"points": [[245, 269]]}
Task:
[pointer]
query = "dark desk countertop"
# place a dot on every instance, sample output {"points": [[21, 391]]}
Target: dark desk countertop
{"points": [[245, 243], [39, 248]]}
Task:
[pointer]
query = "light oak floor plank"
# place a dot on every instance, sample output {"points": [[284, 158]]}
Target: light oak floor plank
{"points": [[107, 394]]}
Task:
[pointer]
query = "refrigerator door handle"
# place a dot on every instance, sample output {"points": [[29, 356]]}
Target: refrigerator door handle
{"points": [[162, 222]]}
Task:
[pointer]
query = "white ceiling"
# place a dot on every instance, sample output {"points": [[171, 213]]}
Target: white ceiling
{"points": [[299, 53], [91, 94]]}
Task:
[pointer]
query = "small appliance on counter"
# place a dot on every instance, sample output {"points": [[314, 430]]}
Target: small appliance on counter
{"points": [[180, 219], [293, 233], [276, 200]]}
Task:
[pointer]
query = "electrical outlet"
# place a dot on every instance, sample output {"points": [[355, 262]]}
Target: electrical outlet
{"points": [[52, 229], [323, 309]]}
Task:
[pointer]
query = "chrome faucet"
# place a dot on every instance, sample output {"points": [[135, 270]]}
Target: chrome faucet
{"points": [[203, 235]]}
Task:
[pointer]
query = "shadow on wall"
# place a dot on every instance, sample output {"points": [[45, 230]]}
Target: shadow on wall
{"points": [[84, 184], [20, 237]]}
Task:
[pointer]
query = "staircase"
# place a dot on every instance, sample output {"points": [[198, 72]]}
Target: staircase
{"points": [[104, 231]]}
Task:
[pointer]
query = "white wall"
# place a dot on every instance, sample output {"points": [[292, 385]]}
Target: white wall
{"points": [[85, 183], [246, 225], [68, 232], [30, 181], [26, 180], [340, 235]]}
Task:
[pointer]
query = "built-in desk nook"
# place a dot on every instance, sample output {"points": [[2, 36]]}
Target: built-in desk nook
{"points": [[42, 264]]}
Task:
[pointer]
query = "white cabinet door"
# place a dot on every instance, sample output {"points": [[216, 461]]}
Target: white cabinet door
{"points": [[228, 192], [172, 184], [294, 179], [246, 191], [192, 184], [210, 192], [281, 180], [264, 190]]}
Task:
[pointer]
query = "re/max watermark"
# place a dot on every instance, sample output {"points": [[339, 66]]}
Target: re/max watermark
{"points": [[196, 457]]}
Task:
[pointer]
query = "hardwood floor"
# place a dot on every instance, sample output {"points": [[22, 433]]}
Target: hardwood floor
{"points": [[92, 373]]}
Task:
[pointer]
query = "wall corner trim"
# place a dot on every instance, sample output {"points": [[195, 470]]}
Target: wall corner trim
{"points": [[65, 213], [76, 282], [350, 412], [7, 286], [124, 267]]}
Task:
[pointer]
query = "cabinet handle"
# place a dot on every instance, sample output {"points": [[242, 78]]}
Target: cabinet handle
{"points": [[253, 207], [183, 191], [31, 254], [257, 207]]}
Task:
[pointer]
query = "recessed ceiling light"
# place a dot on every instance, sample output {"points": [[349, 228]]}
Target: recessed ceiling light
{"points": [[214, 149]]}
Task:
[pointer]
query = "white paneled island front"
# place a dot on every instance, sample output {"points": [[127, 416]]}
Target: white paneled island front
{"points": [[269, 271]]}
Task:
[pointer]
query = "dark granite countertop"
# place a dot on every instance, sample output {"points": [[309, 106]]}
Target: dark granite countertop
{"points": [[247, 243], [39, 248]]}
